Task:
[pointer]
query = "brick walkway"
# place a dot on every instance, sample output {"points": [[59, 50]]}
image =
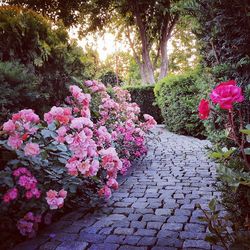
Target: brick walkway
{"points": [[153, 209]]}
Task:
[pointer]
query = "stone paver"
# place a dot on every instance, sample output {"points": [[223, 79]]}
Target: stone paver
{"points": [[153, 209]]}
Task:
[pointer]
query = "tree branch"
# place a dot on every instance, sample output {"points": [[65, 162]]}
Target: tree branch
{"points": [[132, 46], [172, 25]]}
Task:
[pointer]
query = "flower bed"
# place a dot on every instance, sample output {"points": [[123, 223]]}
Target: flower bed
{"points": [[89, 140]]}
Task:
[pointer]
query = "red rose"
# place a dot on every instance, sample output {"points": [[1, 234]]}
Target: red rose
{"points": [[204, 109], [227, 93]]}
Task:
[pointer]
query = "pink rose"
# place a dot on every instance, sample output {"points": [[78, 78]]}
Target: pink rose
{"points": [[80, 122], [113, 183], [14, 141], [31, 149], [204, 109], [10, 195], [54, 199], [226, 94], [9, 126], [105, 191], [62, 193]]}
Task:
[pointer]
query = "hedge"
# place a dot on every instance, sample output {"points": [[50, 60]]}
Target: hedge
{"points": [[178, 97], [145, 98]]}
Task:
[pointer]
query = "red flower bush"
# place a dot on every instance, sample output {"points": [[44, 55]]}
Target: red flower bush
{"points": [[204, 109], [225, 94]]}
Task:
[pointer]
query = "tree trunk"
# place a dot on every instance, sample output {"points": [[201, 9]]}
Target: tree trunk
{"points": [[164, 59], [148, 67], [142, 73]]}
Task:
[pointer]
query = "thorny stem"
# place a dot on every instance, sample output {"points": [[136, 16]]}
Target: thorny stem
{"points": [[239, 141]]}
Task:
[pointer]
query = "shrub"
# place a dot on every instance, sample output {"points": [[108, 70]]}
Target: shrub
{"points": [[18, 88], [39, 48], [177, 97], [53, 159], [144, 96]]}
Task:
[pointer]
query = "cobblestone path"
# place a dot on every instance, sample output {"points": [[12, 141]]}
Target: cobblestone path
{"points": [[153, 209]]}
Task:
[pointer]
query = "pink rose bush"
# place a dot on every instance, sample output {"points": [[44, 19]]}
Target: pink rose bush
{"points": [[93, 138]]}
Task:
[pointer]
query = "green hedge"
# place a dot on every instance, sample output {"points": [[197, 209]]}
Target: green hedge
{"points": [[178, 97], [145, 98]]}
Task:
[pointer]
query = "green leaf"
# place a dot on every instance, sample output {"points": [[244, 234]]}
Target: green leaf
{"points": [[216, 155], [247, 151], [62, 160], [212, 239], [245, 131], [212, 204]]}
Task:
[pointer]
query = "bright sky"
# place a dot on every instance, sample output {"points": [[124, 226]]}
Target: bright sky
{"points": [[105, 45]]}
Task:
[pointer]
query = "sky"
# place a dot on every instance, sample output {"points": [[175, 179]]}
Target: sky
{"points": [[106, 44]]}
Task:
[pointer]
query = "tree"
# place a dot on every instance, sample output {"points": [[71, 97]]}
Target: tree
{"points": [[147, 24], [185, 53], [223, 31], [37, 61]]}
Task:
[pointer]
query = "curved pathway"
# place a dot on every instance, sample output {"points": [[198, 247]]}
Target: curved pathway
{"points": [[153, 209]]}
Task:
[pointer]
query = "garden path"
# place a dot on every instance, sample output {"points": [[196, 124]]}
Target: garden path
{"points": [[154, 207]]}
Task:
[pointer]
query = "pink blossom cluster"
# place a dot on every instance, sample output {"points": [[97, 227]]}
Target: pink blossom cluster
{"points": [[28, 225], [95, 86], [55, 199], [101, 146], [26, 180], [20, 127]]}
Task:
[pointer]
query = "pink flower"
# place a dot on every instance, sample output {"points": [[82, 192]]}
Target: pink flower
{"points": [[88, 83], [61, 133], [21, 171], [226, 94], [150, 121], [204, 109], [113, 183], [10, 195], [95, 165], [25, 227], [80, 122], [105, 191], [14, 141], [28, 225], [54, 199], [31, 149], [62, 193], [28, 115], [62, 115], [75, 90], [27, 182], [9, 126], [84, 167]]}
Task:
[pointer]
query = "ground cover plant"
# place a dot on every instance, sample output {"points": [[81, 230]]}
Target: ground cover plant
{"points": [[49, 161]]}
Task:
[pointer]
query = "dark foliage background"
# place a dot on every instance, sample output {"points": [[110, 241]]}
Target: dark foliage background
{"points": [[145, 98], [37, 61]]}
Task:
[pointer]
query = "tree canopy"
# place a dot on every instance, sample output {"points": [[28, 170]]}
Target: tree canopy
{"points": [[147, 24]]}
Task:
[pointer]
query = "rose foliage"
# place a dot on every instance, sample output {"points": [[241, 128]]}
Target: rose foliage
{"points": [[95, 135]]}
